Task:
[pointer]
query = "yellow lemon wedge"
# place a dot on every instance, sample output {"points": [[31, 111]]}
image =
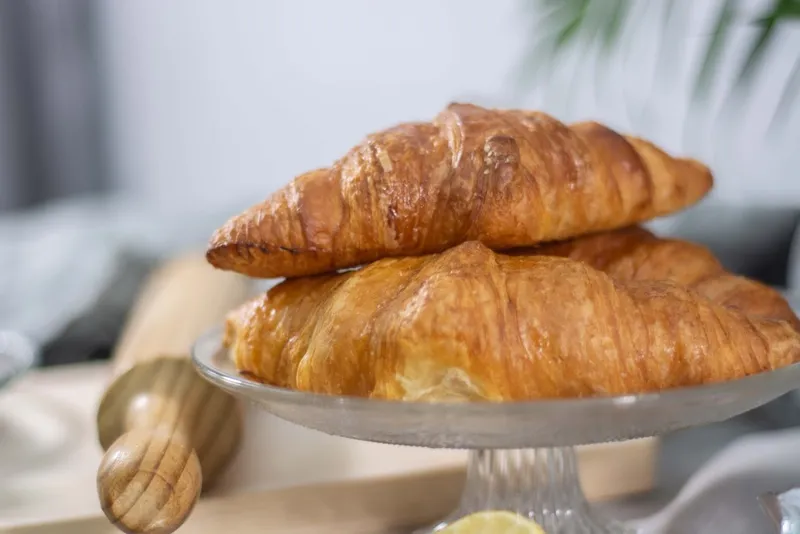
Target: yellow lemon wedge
{"points": [[493, 522]]}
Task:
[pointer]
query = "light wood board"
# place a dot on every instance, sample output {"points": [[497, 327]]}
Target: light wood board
{"points": [[49, 456]]}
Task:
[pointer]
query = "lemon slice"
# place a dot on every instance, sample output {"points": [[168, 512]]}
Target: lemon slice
{"points": [[493, 523]]}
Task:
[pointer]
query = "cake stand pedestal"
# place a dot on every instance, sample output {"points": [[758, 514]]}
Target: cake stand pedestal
{"points": [[522, 453], [541, 484]]}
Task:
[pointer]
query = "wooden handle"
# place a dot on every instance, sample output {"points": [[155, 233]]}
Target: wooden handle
{"points": [[167, 432]]}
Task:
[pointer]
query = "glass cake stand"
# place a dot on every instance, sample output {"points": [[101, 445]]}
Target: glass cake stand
{"points": [[522, 453]]}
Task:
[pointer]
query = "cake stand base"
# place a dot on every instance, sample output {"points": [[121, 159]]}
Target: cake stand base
{"points": [[541, 484]]}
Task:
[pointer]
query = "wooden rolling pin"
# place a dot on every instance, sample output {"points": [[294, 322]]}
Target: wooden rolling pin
{"points": [[166, 432]]}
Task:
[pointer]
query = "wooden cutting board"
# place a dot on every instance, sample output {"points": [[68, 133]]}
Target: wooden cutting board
{"points": [[378, 505], [388, 505], [286, 478]]}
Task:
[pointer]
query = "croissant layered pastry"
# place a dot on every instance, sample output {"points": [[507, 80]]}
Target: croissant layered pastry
{"points": [[499, 258], [473, 324], [505, 178], [634, 253]]}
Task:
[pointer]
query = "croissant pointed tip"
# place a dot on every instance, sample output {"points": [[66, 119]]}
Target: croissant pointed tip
{"points": [[697, 179], [700, 170], [212, 257]]}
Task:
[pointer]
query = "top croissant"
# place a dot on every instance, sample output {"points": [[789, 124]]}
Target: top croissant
{"points": [[506, 178]]}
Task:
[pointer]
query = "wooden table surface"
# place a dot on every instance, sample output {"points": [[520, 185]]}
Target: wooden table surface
{"points": [[49, 456]]}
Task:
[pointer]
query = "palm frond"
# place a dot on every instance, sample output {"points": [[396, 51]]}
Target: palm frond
{"points": [[757, 49], [575, 23], [782, 11], [790, 94], [614, 21], [574, 19], [714, 51]]}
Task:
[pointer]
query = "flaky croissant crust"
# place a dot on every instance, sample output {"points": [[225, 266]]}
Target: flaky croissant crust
{"points": [[472, 324], [506, 178], [634, 253]]}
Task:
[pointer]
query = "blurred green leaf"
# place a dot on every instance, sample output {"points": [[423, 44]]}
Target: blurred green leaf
{"points": [[715, 49], [574, 23], [756, 51], [569, 23], [782, 11], [615, 21], [788, 9], [790, 94], [540, 54], [576, 14]]}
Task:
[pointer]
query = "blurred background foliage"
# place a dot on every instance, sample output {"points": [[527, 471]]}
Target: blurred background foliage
{"points": [[603, 28]]}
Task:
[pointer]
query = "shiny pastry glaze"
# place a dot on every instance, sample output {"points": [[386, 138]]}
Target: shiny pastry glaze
{"points": [[506, 178], [471, 324]]}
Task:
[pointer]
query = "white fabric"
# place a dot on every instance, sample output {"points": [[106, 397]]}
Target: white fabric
{"points": [[722, 497], [57, 259]]}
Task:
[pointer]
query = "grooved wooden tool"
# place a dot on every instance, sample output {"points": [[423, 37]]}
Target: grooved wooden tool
{"points": [[166, 432]]}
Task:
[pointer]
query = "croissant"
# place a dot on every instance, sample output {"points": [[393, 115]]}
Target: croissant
{"points": [[634, 253], [472, 324], [506, 178]]}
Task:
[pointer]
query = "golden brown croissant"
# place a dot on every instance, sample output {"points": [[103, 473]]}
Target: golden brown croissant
{"points": [[635, 253], [473, 324], [506, 178]]}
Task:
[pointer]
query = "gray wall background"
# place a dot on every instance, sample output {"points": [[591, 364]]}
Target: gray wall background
{"points": [[51, 102], [214, 98], [203, 102]]}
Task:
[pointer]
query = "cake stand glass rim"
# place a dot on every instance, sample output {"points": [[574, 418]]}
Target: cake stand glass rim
{"points": [[202, 357]]}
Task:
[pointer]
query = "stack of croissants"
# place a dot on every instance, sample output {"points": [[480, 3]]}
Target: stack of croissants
{"points": [[493, 255]]}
